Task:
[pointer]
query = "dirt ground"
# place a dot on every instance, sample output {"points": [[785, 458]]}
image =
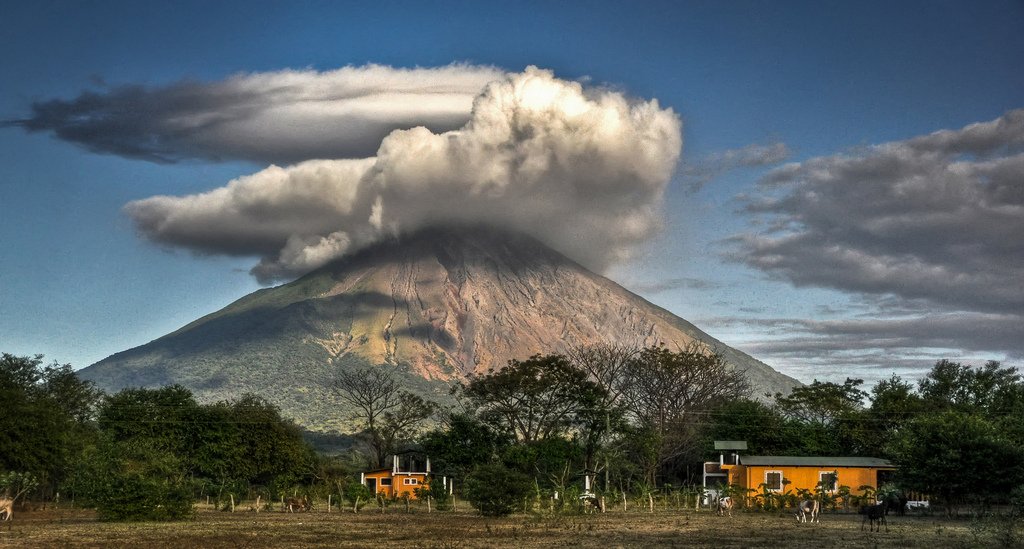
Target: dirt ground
{"points": [[397, 528]]}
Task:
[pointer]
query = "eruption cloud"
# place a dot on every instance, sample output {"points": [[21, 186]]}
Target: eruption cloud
{"points": [[581, 169]]}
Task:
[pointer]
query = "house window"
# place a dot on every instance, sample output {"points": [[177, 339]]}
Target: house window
{"points": [[773, 480], [410, 481], [386, 481], [828, 480]]}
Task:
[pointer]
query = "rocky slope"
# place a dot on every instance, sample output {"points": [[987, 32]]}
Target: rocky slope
{"points": [[437, 306]]}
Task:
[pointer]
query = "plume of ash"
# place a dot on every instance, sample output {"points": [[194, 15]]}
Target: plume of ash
{"points": [[581, 169]]}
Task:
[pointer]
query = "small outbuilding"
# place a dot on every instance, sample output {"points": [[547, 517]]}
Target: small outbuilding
{"points": [[407, 473]]}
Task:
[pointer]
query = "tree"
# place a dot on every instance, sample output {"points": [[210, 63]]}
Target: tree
{"points": [[667, 392], [893, 404], [828, 411], [47, 416], [822, 403], [497, 491], [386, 413], [951, 385], [762, 426], [608, 367], [957, 457], [534, 399], [462, 443]]}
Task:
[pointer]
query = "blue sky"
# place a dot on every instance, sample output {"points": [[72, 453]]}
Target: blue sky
{"points": [[824, 83]]}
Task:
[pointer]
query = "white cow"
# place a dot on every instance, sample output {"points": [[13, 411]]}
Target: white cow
{"points": [[808, 508], [725, 506]]}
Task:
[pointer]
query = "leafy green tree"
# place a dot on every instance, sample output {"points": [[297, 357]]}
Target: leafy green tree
{"points": [[541, 397], [957, 457], [497, 491], [951, 385], [46, 414], [462, 443], [762, 426], [894, 403], [829, 413]]}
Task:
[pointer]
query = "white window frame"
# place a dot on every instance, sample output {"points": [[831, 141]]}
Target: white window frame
{"points": [[409, 481], [835, 485], [782, 479]]}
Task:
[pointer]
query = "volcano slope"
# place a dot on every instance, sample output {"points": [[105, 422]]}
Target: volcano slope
{"points": [[437, 306]]}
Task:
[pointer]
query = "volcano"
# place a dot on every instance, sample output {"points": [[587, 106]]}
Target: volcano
{"points": [[438, 306]]}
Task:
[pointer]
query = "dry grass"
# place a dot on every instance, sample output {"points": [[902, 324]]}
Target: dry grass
{"points": [[78, 528]]}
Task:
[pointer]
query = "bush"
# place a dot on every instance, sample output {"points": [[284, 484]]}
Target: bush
{"points": [[497, 491], [357, 494], [136, 497]]}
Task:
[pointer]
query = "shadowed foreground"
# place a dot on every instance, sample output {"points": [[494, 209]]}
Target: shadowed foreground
{"points": [[78, 528]]}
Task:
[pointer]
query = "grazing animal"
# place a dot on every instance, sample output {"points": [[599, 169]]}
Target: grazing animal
{"points": [[896, 502], [296, 504], [874, 513], [725, 506], [7, 508], [808, 508]]}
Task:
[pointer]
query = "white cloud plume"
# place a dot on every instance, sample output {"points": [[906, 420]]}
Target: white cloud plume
{"points": [[582, 169], [272, 117]]}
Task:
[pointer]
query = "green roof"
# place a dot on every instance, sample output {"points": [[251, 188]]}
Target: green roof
{"points": [[811, 461]]}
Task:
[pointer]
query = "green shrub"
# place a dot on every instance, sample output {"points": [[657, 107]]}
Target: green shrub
{"points": [[357, 493], [134, 497], [497, 491]]}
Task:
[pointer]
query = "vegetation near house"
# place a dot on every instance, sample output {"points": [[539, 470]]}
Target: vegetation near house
{"points": [[598, 428], [496, 490]]}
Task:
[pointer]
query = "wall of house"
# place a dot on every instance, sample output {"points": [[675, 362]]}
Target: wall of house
{"points": [[752, 476], [399, 486]]}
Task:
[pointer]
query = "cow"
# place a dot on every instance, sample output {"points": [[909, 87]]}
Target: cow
{"points": [[808, 507], [725, 506], [874, 513], [296, 504], [895, 502], [7, 508]]}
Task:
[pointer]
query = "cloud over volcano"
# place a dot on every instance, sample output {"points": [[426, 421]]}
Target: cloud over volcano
{"points": [[581, 169], [271, 117]]}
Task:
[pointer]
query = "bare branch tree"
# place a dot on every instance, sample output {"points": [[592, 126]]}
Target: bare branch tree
{"points": [[386, 412], [665, 391]]}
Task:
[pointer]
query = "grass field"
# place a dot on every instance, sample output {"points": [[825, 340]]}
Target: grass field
{"points": [[396, 528]]}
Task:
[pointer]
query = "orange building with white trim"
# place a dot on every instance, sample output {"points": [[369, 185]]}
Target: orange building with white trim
{"points": [[407, 473], [782, 473]]}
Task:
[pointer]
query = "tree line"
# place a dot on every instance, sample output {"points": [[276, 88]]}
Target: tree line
{"points": [[633, 421]]}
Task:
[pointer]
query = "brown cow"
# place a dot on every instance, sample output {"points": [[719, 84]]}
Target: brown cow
{"points": [[296, 504]]}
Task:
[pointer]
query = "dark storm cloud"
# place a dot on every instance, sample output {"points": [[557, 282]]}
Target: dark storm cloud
{"points": [[937, 218]]}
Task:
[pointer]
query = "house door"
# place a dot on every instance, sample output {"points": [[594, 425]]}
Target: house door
{"points": [[371, 483]]}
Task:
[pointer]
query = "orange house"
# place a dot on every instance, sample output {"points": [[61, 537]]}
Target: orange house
{"points": [[407, 473], [783, 473]]}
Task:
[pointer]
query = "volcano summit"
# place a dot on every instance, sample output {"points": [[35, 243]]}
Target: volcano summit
{"points": [[439, 305]]}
